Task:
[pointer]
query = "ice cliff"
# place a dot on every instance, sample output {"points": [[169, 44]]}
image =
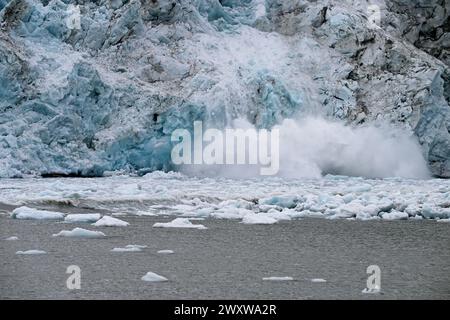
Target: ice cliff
{"points": [[94, 86]]}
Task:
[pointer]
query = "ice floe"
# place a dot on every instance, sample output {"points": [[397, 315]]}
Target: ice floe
{"points": [[26, 213], [130, 248], [82, 217], [278, 279], [107, 221], [80, 233], [13, 238], [165, 251], [31, 252], [179, 223], [153, 277], [318, 280]]}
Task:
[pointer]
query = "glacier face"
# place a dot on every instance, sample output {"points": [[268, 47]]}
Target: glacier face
{"points": [[106, 94]]}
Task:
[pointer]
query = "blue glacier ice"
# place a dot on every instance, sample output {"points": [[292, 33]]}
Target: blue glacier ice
{"points": [[107, 96]]}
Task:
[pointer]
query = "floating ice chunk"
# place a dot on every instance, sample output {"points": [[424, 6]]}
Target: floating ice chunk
{"points": [[80, 233], [253, 218], [443, 220], [433, 212], [318, 280], [129, 248], [278, 279], [82, 217], [14, 238], [153, 277], [108, 221], [179, 223], [31, 252], [395, 215], [26, 213], [282, 201], [230, 213], [165, 251]]}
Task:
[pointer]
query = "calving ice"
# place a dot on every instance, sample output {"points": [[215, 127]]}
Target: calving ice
{"points": [[231, 146]]}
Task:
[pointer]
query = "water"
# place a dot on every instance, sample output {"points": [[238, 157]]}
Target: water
{"points": [[229, 260]]}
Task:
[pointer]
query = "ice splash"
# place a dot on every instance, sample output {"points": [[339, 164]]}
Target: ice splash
{"points": [[311, 147]]}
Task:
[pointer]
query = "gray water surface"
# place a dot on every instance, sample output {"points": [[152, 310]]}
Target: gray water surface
{"points": [[229, 260]]}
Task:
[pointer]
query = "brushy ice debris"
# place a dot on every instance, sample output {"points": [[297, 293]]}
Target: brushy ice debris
{"points": [[26, 213], [13, 238], [82, 217], [108, 221], [179, 223], [318, 280], [165, 251], [395, 215], [278, 279], [153, 277], [260, 218], [130, 248], [31, 252], [80, 233], [284, 201]]}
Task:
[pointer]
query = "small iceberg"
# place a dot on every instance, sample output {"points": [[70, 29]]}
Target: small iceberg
{"points": [[165, 251], [80, 233], [153, 277], [278, 279], [14, 238], [179, 223], [108, 221], [31, 252], [318, 280], [83, 217], [26, 213], [129, 248]]}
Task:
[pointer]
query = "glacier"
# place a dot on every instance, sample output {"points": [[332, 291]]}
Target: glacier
{"points": [[105, 95]]}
